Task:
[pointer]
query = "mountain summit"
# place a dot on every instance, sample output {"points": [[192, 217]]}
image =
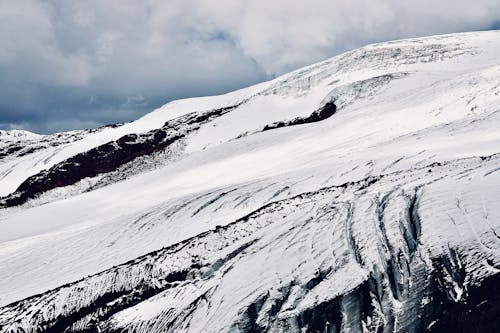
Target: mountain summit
{"points": [[359, 194]]}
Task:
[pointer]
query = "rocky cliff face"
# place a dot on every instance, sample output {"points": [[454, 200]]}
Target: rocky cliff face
{"points": [[355, 195]]}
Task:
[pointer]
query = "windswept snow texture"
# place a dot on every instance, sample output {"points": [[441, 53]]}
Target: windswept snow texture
{"points": [[359, 194]]}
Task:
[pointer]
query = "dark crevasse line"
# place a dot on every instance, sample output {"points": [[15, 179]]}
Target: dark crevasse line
{"points": [[351, 240], [393, 265], [108, 157], [247, 321], [325, 112], [414, 222], [211, 201]]}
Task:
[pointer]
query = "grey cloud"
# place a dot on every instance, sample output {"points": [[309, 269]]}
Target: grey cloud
{"points": [[68, 64]]}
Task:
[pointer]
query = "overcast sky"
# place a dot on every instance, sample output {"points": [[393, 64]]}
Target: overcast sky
{"points": [[78, 64]]}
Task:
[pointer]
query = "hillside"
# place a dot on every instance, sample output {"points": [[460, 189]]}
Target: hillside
{"points": [[359, 194]]}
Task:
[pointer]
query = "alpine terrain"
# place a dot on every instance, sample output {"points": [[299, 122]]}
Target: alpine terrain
{"points": [[359, 194]]}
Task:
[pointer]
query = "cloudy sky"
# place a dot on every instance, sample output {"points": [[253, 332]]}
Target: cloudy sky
{"points": [[77, 64]]}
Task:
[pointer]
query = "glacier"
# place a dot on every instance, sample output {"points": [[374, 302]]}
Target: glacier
{"points": [[358, 194]]}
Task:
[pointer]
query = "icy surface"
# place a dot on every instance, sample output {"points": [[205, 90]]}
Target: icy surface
{"points": [[378, 217]]}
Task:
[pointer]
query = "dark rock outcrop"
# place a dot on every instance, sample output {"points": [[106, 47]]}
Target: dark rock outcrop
{"points": [[325, 112], [109, 156]]}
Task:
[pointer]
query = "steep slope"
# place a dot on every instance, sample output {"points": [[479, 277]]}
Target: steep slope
{"points": [[357, 194]]}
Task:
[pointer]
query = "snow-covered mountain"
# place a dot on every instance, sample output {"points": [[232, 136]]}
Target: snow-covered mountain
{"points": [[359, 194]]}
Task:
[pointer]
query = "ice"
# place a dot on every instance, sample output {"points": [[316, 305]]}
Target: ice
{"points": [[348, 222]]}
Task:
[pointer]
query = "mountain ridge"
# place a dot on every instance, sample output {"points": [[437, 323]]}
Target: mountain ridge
{"points": [[356, 194]]}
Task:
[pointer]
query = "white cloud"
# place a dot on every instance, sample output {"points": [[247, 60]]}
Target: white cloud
{"points": [[287, 34], [56, 55]]}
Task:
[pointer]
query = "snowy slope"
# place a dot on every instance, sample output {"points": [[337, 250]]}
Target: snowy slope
{"points": [[357, 194]]}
